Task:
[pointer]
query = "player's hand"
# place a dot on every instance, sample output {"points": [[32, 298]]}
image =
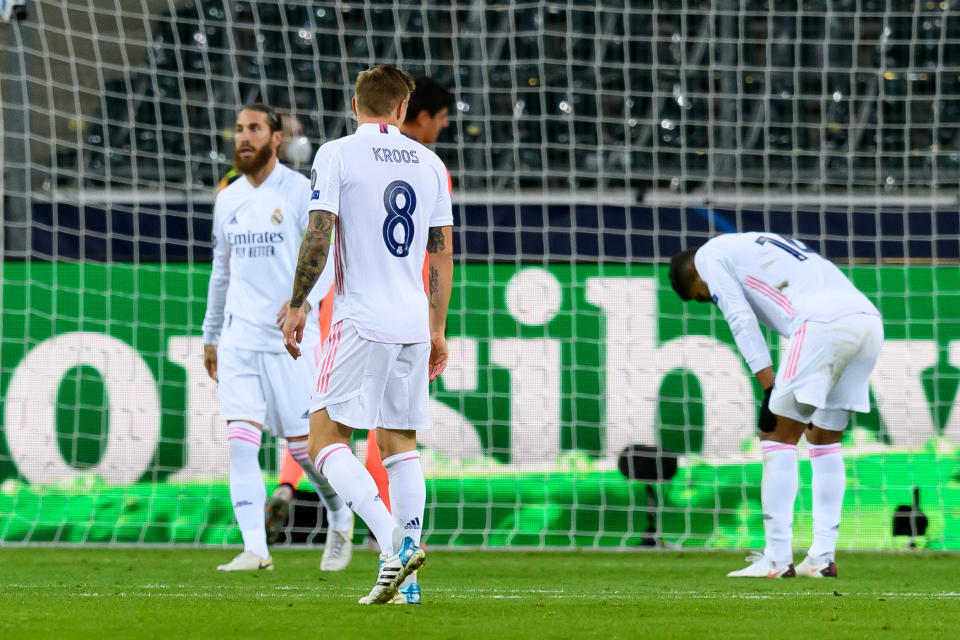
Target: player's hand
{"points": [[293, 324], [767, 422], [282, 314], [439, 354], [210, 360]]}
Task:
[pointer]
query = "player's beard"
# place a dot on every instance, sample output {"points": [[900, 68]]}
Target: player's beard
{"points": [[252, 164]]}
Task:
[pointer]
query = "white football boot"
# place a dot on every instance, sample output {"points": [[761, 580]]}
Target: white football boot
{"points": [[338, 550], [394, 570], [247, 561], [761, 567], [813, 568]]}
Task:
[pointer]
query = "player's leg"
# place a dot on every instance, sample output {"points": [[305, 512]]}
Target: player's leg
{"points": [[278, 506], [405, 409], [828, 482], [329, 446], [779, 484], [408, 494], [350, 390], [242, 406], [291, 385], [399, 557], [778, 493], [247, 493], [339, 545], [856, 341]]}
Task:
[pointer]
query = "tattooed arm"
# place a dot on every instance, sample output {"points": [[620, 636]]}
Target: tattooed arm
{"points": [[440, 258], [313, 256]]}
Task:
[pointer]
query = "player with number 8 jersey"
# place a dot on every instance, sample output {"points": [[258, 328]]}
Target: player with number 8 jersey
{"points": [[387, 197], [387, 191]]}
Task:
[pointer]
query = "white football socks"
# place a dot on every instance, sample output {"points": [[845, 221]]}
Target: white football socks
{"points": [[778, 493], [337, 512], [408, 492], [247, 491], [828, 483], [356, 487]]}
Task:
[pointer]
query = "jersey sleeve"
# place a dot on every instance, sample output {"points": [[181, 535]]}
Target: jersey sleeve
{"points": [[325, 180], [219, 281], [442, 214], [727, 293]]}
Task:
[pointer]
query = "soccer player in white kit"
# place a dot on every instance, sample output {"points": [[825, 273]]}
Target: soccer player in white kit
{"points": [[834, 338], [387, 195], [257, 225]]}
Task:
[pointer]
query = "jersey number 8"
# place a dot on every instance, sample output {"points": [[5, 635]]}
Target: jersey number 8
{"points": [[399, 201]]}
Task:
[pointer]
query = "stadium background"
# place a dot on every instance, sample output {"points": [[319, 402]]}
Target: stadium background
{"points": [[589, 143]]}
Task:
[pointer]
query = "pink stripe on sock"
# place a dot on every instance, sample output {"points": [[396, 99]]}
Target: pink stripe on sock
{"points": [[249, 433], [824, 451], [319, 464], [246, 428], [777, 446], [244, 438]]}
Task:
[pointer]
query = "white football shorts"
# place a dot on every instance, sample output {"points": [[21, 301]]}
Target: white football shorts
{"points": [[271, 389], [365, 384], [825, 373]]}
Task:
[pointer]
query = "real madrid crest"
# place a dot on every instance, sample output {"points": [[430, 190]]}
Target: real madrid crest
{"points": [[277, 217]]}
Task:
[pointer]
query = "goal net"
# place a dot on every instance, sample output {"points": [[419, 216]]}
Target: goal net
{"points": [[589, 142]]}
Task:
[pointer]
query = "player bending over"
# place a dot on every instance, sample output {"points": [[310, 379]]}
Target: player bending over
{"points": [[387, 196], [835, 335], [257, 225]]}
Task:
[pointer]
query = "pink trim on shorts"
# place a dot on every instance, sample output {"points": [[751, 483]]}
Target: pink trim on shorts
{"points": [[333, 341], [776, 296], [825, 451], [794, 358], [320, 462]]}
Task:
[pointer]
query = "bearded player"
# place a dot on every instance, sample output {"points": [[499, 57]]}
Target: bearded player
{"points": [[259, 220], [387, 196], [834, 338]]}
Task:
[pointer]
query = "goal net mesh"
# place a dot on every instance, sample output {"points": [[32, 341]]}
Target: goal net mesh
{"points": [[584, 404]]}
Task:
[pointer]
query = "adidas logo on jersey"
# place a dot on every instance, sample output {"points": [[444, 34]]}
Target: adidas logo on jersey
{"points": [[413, 524]]}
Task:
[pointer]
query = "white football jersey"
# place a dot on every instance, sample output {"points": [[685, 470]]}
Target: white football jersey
{"points": [[256, 241], [387, 190], [777, 281]]}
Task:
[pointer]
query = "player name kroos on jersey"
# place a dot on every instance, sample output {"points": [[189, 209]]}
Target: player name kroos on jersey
{"points": [[399, 156]]}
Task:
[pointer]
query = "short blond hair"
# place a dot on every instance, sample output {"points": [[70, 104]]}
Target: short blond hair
{"points": [[380, 89]]}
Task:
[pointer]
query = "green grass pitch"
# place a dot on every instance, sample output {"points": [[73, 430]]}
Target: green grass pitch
{"points": [[171, 594]]}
